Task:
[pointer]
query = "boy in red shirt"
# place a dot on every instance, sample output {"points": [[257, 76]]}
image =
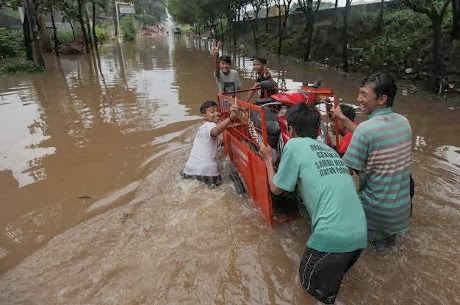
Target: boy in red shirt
{"points": [[345, 132]]}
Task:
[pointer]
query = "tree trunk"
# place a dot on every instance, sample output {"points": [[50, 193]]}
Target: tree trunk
{"points": [[94, 26], [254, 35], [306, 56], [73, 30], [26, 28], [283, 28], [115, 19], [345, 36], [308, 29], [82, 25], [88, 25], [31, 37], [456, 18], [222, 37], [280, 34], [256, 15], [56, 42], [234, 31], [438, 62], [380, 22], [336, 9], [267, 6]]}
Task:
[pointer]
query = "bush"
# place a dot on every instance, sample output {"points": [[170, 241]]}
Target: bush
{"points": [[128, 27], [399, 49], [148, 19], [20, 65], [64, 36], [102, 33], [11, 43]]}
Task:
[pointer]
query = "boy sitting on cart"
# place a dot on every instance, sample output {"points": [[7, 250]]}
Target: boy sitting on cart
{"points": [[262, 75], [227, 79], [202, 163]]}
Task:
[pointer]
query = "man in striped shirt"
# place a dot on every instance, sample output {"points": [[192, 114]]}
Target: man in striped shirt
{"points": [[380, 151]]}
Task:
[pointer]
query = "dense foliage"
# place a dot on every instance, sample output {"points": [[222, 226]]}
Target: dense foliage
{"points": [[11, 43], [19, 65], [128, 27]]}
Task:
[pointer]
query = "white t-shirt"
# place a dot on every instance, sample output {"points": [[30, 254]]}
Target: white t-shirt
{"points": [[202, 159], [228, 83]]}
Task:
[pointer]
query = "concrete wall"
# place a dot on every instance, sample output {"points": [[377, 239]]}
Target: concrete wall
{"points": [[323, 16]]}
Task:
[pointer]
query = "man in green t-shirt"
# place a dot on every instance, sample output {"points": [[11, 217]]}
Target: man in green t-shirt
{"points": [[338, 222]]}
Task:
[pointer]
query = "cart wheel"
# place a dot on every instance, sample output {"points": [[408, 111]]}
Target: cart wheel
{"points": [[239, 185]]}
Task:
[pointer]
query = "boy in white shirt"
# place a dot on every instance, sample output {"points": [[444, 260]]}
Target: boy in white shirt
{"points": [[202, 163]]}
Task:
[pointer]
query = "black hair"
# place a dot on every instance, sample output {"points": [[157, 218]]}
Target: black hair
{"points": [[262, 60], [206, 105], [226, 59], [384, 85], [304, 119], [348, 111]]}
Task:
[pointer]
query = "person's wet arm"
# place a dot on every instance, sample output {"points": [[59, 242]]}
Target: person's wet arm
{"points": [[337, 113], [215, 51], [234, 111], [285, 180], [267, 155], [251, 92]]}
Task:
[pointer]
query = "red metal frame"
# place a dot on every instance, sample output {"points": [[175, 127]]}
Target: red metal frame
{"points": [[243, 149]]}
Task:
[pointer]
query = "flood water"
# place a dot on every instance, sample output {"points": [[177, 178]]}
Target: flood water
{"points": [[93, 210]]}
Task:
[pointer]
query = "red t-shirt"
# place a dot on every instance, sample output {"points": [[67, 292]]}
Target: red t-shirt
{"points": [[345, 141]]}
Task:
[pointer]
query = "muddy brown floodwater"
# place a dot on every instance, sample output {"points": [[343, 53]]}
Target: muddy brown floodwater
{"points": [[93, 210]]}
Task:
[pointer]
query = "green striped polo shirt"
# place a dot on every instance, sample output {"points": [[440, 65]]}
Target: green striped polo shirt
{"points": [[381, 151]]}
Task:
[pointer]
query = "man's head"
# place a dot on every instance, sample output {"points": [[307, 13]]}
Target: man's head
{"points": [[209, 111], [225, 63], [377, 91], [350, 113], [259, 64], [303, 121]]}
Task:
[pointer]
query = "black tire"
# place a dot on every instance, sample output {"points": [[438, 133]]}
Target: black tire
{"points": [[238, 183]]}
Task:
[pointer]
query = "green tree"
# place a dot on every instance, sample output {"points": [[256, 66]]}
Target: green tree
{"points": [[307, 8], [256, 7], [128, 28], [267, 4], [30, 28], [456, 18], [436, 11], [283, 7], [50, 6], [380, 20], [345, 35], [201, 13], [184, 11]]}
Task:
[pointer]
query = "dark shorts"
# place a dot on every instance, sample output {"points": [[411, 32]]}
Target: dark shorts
{"points": [[321, 273], [211, 181]]}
